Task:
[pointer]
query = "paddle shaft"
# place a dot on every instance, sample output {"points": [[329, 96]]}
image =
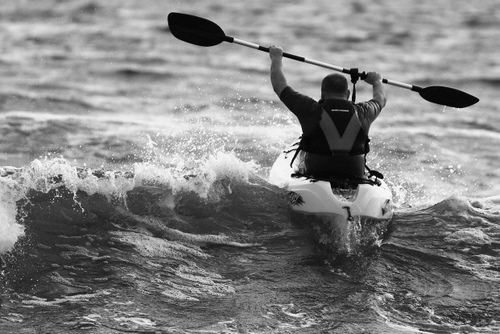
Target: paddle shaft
{"points": [[230, 39], [202, 32]]}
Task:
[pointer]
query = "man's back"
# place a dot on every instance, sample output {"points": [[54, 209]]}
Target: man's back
{"points": [[335, 139]]}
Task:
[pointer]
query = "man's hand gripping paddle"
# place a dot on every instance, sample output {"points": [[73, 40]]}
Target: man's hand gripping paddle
{"points": [[202, 32]]}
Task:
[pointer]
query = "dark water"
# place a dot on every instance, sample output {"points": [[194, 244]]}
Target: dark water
{"points": [[157, 262], [138, 201]]}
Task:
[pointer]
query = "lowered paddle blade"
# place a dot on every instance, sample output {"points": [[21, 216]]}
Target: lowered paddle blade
{"points": [[448, 96], [195, 30]]}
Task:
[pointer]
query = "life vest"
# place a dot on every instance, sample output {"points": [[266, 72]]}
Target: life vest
{"points": [[339, 132], [339, 144]]}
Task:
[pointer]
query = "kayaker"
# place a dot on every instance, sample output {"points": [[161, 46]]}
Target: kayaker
{"points": [[334, 130]]}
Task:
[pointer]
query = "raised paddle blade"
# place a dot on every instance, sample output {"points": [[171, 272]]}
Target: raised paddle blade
{"points": [[195, 30], [199, 31], [448, 96]]}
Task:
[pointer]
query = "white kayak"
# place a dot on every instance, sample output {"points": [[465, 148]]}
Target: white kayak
{"points": [[370, 199]]}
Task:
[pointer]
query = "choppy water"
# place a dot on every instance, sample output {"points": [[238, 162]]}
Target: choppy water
{"points": [[133, 193]]}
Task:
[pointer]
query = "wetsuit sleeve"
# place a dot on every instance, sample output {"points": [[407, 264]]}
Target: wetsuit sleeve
{"points": [[368, 112]]}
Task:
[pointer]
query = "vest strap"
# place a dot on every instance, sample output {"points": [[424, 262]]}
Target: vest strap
{"points": [[354, 72]]}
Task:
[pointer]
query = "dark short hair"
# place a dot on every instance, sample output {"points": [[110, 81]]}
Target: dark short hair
{"points": [[334, 83]]}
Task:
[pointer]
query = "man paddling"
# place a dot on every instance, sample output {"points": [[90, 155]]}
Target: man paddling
{"points": [[334, 130]]}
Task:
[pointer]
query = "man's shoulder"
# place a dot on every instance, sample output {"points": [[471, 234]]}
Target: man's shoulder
{"points": [[289, 92], [298, 103], [371, 104], [286, 91], [368, 110], [291, 95]]}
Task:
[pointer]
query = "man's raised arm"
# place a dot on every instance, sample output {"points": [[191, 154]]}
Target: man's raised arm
{"points": [[278, 79]]}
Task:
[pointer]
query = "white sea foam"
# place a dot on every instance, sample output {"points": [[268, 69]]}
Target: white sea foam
{"points": [[472, 236], [150, 246], [10, 229], [209, 177], [38, 301], [44, 175], [143, 322]]}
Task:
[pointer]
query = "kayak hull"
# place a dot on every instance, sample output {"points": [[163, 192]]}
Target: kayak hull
{"points": [[366, 201]]}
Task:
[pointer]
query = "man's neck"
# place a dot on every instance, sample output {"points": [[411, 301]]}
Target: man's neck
{"points": [[335, 96]]}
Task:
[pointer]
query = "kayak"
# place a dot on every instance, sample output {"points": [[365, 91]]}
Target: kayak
{"points": [[353, 199]]}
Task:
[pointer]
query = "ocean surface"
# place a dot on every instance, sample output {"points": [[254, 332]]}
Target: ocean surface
{"points": [[133, 170]]}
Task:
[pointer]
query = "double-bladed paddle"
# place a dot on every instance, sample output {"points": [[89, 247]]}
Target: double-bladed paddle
{"points": [[199, 31]]}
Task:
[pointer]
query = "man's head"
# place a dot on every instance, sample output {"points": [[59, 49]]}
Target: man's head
{"points": [[334, 86]]}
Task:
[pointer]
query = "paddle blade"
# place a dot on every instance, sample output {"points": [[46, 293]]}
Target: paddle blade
{"points": [[448, 96], [195, 30]]}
